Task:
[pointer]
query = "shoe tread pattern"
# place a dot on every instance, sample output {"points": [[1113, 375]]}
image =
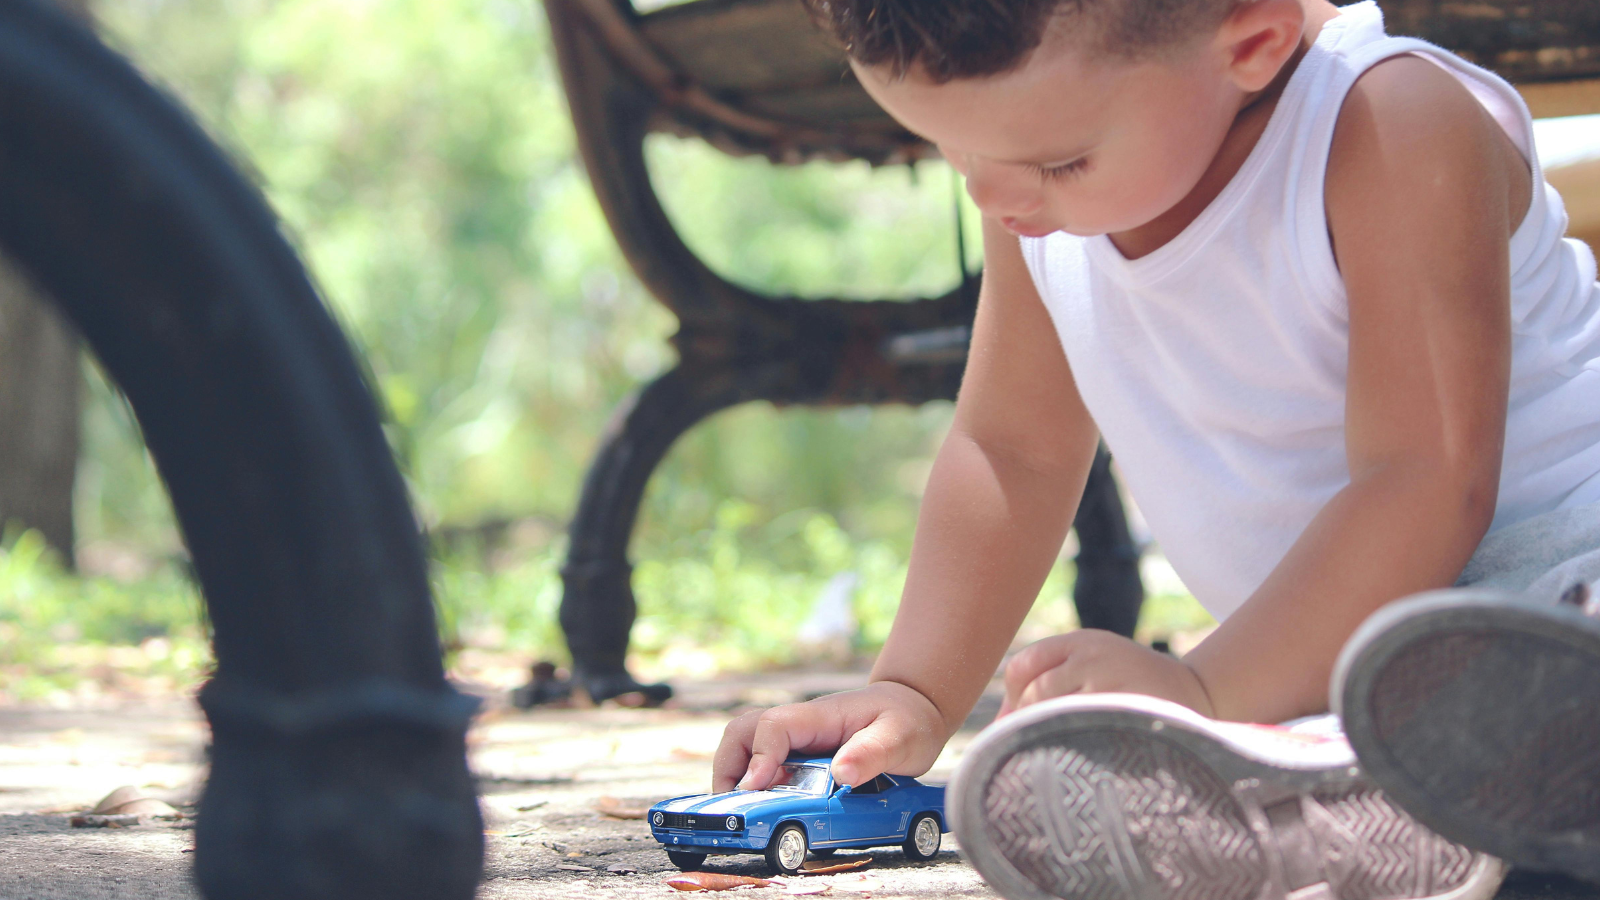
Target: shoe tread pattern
{"points": [[1115, 815], [1372, 850]]}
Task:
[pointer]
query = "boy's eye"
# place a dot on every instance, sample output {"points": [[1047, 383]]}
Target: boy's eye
{"points": [[1057, 173]]}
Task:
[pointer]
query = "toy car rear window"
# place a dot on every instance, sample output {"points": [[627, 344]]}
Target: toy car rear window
{"points": [[801, 779]]}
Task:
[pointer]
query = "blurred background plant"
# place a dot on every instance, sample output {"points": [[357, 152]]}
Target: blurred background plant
{"points": [[422, 160]]}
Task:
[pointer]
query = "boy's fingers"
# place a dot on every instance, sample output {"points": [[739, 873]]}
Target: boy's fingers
{"points": [[1057, 682], [770, 746], [756, 744], [1032, 662], [733, 754]]}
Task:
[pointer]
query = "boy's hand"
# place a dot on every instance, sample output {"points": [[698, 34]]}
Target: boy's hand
{"points": [[884, 727], [1097, 662]]}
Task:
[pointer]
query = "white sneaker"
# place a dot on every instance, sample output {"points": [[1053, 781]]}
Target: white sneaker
{"points": [[1125, 796]]}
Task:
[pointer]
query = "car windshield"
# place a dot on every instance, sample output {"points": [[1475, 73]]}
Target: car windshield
{"points": [[801, 779]]}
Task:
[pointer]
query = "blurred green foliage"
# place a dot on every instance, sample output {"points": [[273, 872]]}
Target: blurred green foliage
{"points": [[47, 617], [421, 157]]}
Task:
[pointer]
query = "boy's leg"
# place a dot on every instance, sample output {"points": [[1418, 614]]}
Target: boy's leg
{"points": [[1125, 796], [1478, 709]]}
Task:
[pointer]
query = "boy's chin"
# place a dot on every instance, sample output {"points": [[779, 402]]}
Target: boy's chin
{"points": [[1039, 230], [1027, 229]]}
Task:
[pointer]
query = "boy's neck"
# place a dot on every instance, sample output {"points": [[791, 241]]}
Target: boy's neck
{"points": [[1254, 114]]}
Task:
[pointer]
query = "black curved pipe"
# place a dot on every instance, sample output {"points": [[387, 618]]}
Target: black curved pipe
{"points": [[338, 763]]}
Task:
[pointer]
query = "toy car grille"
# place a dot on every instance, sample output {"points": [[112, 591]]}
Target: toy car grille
{"points": [[702, 822]]}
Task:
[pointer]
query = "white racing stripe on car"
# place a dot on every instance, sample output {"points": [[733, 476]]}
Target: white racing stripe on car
{"points": [[682, 804], [722, 804], [737, 803]]}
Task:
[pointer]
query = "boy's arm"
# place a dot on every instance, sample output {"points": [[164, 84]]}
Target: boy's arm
{"points": [[1423, 192], [999, 501]]}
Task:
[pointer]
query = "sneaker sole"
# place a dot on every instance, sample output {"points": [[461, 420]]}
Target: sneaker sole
{"points": [[1118, 796], [1481, 715]]}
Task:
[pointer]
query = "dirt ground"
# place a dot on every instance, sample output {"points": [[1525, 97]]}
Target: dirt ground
{"points": [[542, 775]]}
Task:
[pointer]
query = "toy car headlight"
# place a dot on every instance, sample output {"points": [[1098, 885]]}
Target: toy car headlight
{"points": [[734, 823], [657, 819]]}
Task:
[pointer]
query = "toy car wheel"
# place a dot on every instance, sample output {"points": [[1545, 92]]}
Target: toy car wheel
{"points": [[922, 839], [824, 854], [687, 862], [787, 851]]}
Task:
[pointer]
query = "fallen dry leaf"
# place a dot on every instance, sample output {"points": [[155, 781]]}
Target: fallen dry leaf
{"points": [[713, 881], [130, 801], [617, 809], [116, 798], [830, 866], [145, 806], [566, 867]]}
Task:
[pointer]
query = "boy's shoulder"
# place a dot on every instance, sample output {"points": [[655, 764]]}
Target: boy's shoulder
{"points": [[1411, 97], [1411, 138]]}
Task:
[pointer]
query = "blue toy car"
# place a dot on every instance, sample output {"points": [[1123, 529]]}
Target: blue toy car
{"points": [[803, 812]]}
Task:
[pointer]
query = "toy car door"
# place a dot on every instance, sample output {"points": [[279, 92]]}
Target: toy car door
{"points": [[903, 801], [864, 812]]}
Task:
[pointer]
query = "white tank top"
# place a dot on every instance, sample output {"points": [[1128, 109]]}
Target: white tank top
{"points": [[1215, 366]]}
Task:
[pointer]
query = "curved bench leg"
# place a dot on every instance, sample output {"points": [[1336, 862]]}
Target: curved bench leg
{"points": [[338, 762], [1109, 592], [597, 606]]}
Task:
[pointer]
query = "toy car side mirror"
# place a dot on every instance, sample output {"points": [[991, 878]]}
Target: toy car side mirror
{"points": [[841, 789]]}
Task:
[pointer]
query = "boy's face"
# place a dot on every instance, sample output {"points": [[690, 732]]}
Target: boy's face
{"points": [[1067, 143]]}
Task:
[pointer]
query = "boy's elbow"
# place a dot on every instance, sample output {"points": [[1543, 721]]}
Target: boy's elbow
{"points": [[1475, 482], [1479, 500], [1468, 492], [1461, 494], [1033, 457]]}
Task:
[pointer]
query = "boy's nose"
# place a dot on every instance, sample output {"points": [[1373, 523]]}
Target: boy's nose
{"points": [[1002, 195]]}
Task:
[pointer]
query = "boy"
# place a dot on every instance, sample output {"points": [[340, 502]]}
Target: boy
{"points": [[1308, 283]]}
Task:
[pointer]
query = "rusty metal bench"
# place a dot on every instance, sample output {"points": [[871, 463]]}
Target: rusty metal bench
{"points": [[755, 77]]}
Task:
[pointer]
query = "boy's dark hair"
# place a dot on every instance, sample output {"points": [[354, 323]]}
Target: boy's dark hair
{"points": [[949, 39]]}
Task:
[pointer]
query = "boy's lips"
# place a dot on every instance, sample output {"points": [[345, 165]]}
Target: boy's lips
{"points": [[1023, 229]]}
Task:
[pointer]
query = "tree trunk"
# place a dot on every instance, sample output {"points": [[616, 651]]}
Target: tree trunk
{"points": [[41, 390], [40, 397]]}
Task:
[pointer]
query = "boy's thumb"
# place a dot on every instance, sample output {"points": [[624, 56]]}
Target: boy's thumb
{"points": [[869, 753]]}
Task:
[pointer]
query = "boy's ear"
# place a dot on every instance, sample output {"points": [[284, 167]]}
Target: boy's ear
{"points": [[1257, 38]]}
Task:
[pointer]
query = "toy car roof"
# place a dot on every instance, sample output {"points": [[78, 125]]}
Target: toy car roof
{"points": [[802, 759]]}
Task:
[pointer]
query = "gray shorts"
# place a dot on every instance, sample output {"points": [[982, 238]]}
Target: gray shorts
{"points": [[1542, 556]]}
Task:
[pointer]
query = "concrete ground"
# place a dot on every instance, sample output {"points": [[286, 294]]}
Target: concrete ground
{"points": [[543, 776]]}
